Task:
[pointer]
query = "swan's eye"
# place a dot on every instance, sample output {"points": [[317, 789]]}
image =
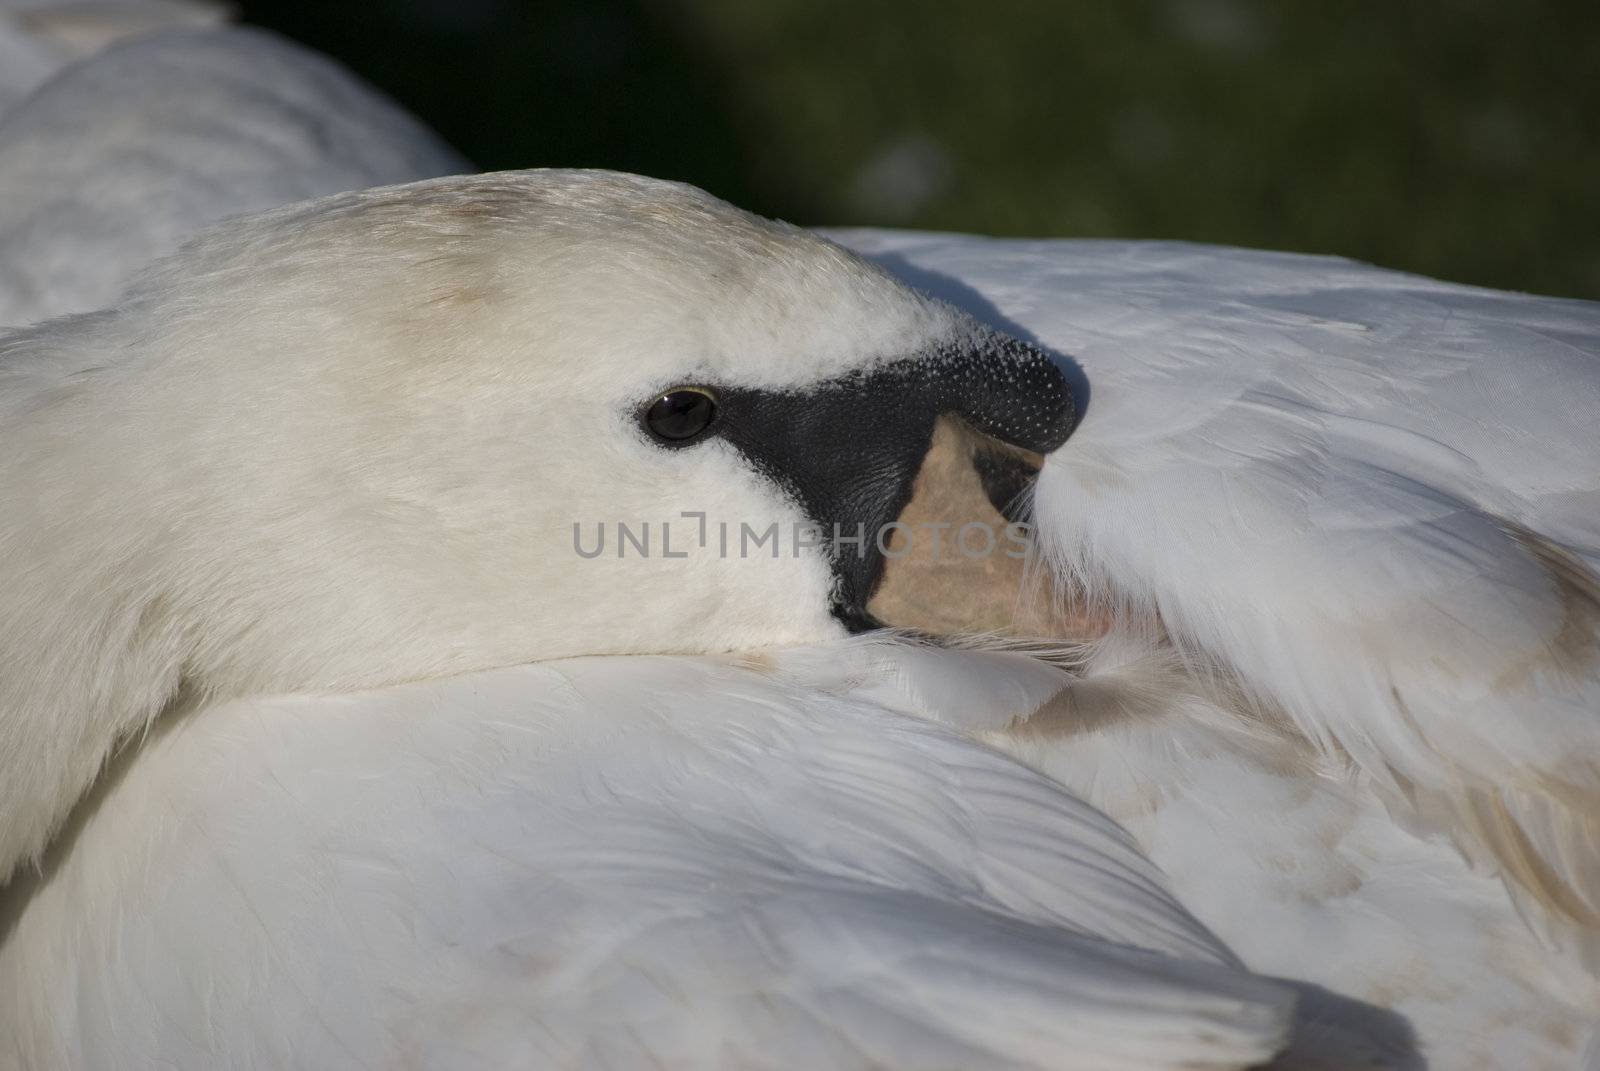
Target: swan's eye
{"points": [[681, 414]]}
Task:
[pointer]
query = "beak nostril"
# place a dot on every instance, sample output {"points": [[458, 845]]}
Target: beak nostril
{"points": [[1007, 477]]}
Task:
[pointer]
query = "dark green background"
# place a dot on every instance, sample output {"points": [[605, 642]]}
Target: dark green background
{"points": [[1456, 139]]}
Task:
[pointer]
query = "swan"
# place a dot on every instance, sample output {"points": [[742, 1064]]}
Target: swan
{"points": [[1346, 707], [119, 158], [341, 447]]}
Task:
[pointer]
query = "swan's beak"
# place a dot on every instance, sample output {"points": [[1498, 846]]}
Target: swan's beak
{"points": [[959, 556], [900, 469]]}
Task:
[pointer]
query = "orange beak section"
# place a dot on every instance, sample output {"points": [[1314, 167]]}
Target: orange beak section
{"points": [[955, 565]]}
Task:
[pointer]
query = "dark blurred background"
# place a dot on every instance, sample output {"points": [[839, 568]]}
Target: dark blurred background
{"points": [[1458, 138]]}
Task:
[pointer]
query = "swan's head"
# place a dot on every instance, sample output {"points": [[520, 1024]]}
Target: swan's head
{"points": [[472, 422], [491, 419]]}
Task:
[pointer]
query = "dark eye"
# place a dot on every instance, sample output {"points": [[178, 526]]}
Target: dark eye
{"points": [[681, 414]]}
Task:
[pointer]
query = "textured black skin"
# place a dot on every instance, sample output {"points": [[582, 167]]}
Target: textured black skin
{"points": [[849, 449]]}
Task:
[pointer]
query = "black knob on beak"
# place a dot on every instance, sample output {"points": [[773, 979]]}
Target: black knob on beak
{"points": [[1008, 390]]}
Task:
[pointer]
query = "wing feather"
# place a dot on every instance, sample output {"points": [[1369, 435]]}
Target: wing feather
{"points": [[616, 862], [1374, 498]]}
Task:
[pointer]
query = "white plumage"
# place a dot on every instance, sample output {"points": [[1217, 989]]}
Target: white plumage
{"points": [[40, 37], [607, 862], [1354, 513], [1370, 503], [118, 159]]}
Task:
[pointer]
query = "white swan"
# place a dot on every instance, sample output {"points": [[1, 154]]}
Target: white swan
{"points": [[1244, 407], [344, 445], [341, 523]]}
